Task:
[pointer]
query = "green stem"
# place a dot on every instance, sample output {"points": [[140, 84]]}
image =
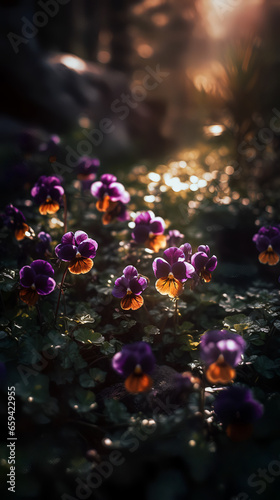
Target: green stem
{"points": [[175, 317], [202, 396], [65, 213], [59, 295]]}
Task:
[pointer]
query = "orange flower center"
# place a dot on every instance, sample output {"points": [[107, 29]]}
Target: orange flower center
{"points": [[169, 286], [80, 265], [269, 256], [220, 372]]}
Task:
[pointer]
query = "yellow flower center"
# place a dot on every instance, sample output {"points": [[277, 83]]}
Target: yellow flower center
{"points": [[137, 370], [171, 276]]}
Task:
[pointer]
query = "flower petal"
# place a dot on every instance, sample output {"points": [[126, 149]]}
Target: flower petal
{"points": [[140, 233], [157, 225], [80, 236], [173, 254], [27, 276], [49, 207], [120, 288], [40, 266], [80, 265], [161, 268], [138, 383], [131, 301], [156, 242], [169, 286], [130, 272], [65, 252], [88, 248], [44, 284], [68, 238], [20, 232], [220, 373], [29, 296]]}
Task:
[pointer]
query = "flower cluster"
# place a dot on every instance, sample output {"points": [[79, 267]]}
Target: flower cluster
{"points": [[48, 193], [78, 250], [135, 362], [267, 241], [111, 198], [129, 288], [36, 279], [148, 231], [221, 351]]}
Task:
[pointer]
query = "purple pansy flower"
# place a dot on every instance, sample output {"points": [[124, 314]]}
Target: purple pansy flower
{"points": [[174, 238], [86, 169], [112, 198], [237, 409], [48, 193], [149, 231], [43, 245], [14, 219], [77, 249], [36, 279], [267, 241], [187, 249], [129, 288], [203, 263], [135, 362], [172, 271], [221, 351]]}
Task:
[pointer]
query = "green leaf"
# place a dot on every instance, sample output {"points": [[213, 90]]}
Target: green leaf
{"points": [[115, 411], [93, 377], [265, 366], [36, 389], [238, 322], [70, 357], [151, 330], [83, 401], [88, 336]]}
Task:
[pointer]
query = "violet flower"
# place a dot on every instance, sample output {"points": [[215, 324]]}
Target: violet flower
{"points": [[135, 362], [171, 272], [36, 279], [112, 198], [174, 238], [267, 241], [43, 246], [86, 169], [237, 409], [129, 288], [77, 249], [203, 263], [14, 219], [221, 351], [48, 193], [187, 249], [149, 231]]}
